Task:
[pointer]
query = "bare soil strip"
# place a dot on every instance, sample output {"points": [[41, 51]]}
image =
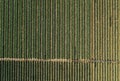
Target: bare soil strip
{"points": [[61, 60]]}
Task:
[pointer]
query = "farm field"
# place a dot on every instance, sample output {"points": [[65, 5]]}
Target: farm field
{"points": [[59, 40]]}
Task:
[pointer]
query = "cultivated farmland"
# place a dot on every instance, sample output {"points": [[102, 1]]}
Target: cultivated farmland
{"points": [[59, 40]]}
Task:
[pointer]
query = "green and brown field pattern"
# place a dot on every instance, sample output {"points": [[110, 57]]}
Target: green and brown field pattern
{"points": [[59, 40]]}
